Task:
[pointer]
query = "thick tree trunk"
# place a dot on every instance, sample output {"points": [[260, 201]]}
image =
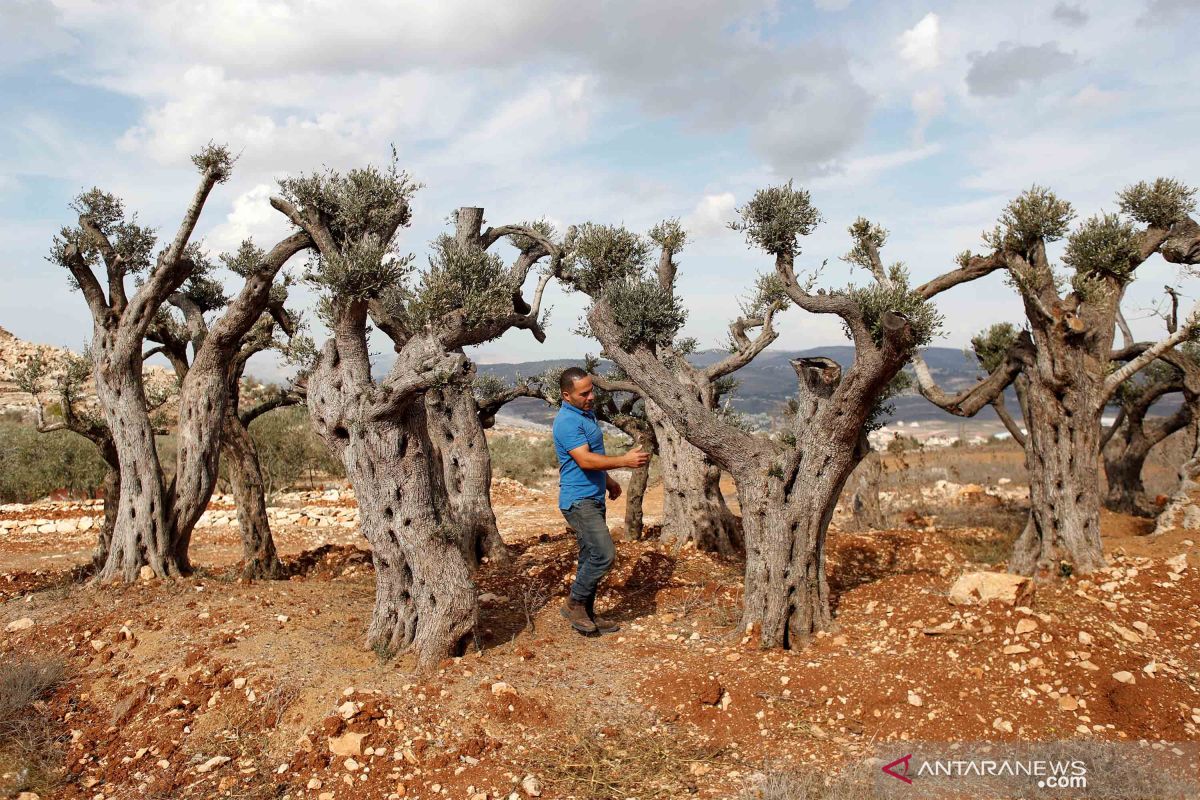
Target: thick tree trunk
{"points": [[635, 493], [694, 510], [1062, 456], [1124, 459], [865, 509], [1182, 510], [142, 531], [460, 447], [785, 523], [203, 401], [424, 597], [259, 559]]}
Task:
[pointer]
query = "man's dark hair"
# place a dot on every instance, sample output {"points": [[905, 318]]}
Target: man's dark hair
{"points": [[566, 381]]}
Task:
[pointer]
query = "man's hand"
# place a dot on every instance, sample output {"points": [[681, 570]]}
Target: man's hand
{"points": [[637, 457], [614, 488]]}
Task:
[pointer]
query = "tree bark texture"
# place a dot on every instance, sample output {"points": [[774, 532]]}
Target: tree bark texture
{"points": [[460, 447], [424, 596], [1062, 457], [142, 533], [694, 510], [259, 559]]}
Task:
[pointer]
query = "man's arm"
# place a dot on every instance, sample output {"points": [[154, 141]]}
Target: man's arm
{"points": [[586, 459]]}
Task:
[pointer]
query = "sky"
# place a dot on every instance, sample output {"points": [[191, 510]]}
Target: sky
{"points": [[924, 117]]}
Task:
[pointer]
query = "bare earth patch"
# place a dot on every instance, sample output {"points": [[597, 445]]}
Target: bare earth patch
{"points": [[212, 687]]}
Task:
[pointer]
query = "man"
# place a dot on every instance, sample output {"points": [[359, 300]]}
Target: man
{"points": [[583, 482]]}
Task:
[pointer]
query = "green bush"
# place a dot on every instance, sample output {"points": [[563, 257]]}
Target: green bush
{"points": [[289, 450], [32, 464], [528, 460]]}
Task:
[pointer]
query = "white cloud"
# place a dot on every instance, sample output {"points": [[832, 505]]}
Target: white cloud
{"points": [[919, 44], [711, 216], [832, 5]]}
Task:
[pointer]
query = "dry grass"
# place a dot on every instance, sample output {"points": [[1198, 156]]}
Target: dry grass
{"points": [[617, 762], [241, 731], [30, 755], [856, 783]]}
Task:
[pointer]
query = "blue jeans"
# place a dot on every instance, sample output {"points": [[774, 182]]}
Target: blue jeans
{"points": [[596, 550]]}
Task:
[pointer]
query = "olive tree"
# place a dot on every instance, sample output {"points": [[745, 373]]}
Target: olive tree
{"points": [[398, 435], [1063, 358], [694, 509], [787, 486], [180, 334], [154, 525], [1127, 442]]}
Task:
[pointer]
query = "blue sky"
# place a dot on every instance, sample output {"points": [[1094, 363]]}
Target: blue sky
{"points": [[925, 117]]}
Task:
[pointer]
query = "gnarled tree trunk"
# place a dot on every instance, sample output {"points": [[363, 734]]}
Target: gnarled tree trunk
{"points": [[259, 559], [424, 596], [786, 513], [460, 447], [694, 510], [1062, 456], [142, 532]]}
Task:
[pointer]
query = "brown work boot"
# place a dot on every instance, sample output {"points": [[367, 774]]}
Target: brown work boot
{"points": [[602, 624], [576, 614]]}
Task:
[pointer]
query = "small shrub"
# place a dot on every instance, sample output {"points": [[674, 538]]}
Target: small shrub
{"points": [[290, 451], [32, 464], [30, 758], [530, 461]]}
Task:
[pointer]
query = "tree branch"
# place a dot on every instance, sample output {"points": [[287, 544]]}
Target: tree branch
{"points": [[968, 402], [1134, 365], [747, 349], [976, 267]]}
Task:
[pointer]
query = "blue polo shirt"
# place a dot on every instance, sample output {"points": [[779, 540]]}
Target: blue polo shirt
{"points": [[574, 427]]}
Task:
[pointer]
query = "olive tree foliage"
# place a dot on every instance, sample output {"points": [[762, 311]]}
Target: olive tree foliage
{"points": [[1061, 363], [788, 486], [179, 332], [619, 267], [410, 440], [106, 249]]}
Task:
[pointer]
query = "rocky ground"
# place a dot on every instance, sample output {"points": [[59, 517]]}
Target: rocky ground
{"points": [[212, 687]]}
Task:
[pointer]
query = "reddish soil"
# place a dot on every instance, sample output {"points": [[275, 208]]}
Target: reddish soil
{"points": [[163, 677]]}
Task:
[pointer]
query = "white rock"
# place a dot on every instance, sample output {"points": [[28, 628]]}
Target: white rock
{"points": [[914, 699], [531, 786], [348, 744], [982, 587], [501, 688], [212, 763], [1123, 677], [22, 624]]}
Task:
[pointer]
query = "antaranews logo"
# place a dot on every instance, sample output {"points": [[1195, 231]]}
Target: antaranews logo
{"points": [[1050, 774], [890, 769]]}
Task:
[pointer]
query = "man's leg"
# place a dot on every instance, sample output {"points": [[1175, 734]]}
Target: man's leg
{"points": [[596, 554]]}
